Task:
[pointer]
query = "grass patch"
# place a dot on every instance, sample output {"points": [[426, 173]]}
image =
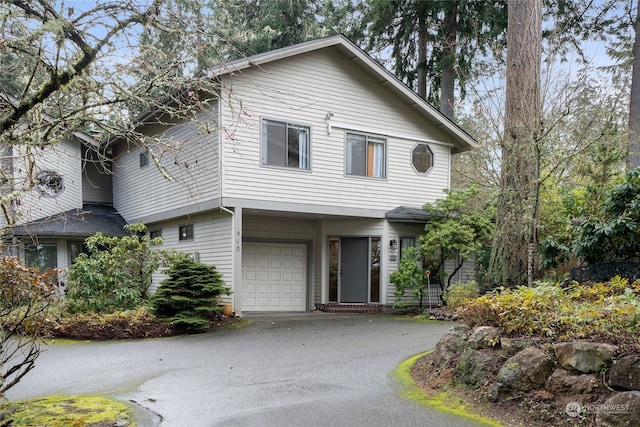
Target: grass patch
{"points": [[443, 401], [65, 411]]}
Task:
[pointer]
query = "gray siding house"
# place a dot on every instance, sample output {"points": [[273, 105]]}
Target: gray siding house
{"points": [[301, 182]]}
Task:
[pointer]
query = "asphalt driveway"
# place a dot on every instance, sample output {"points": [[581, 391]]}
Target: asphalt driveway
{"points": [[283, 370]]}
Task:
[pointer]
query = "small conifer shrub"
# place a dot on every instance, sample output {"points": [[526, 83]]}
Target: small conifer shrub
{"points": [[189, 297]]}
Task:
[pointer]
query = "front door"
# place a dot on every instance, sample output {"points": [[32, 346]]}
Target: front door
{"points": [[354, 270]]}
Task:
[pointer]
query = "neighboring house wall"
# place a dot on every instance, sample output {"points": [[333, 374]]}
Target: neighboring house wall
{"points": [[97, 185], [306, 90], [190, 182], [63, 158]]}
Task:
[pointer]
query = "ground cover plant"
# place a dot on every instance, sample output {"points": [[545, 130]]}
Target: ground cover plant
{"points": [[606, 311], [64, 411]]}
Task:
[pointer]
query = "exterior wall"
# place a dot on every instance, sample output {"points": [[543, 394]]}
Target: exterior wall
{"points": [[396, 231], [190, 160], [212, 241], [63, 158], [307, 90], [97, 185]]}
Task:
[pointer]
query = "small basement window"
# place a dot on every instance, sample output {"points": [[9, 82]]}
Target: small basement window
{"points": [[422, 158]]}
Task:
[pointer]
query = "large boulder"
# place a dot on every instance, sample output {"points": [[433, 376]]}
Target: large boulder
{"points": [[484, 337], [625, 373], [450, 345], [475, 366], [571, 387], [620, 410], [527, 370], [585, 357]]}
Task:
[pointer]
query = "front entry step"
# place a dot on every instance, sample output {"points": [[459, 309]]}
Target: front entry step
{"points": [[351, 308]]}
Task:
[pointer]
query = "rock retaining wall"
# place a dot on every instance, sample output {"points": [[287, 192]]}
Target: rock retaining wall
{"points": [[582, 378]]}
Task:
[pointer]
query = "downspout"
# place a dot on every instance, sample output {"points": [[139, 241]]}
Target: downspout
{"points": [[220, 206]]}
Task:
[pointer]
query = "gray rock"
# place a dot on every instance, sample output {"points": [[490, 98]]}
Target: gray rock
{"points": [[450, 345], [571, 387], [620, 410], [585, 357], [625, 373], [484, 337], [527, 370], [513, 345], [475, 366]]}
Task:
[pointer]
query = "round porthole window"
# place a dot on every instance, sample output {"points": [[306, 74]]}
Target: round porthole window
{"points": [[50, 183], [422, 158]]}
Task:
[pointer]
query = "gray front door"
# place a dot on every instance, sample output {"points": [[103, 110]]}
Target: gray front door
{"points": [[354, 269]]}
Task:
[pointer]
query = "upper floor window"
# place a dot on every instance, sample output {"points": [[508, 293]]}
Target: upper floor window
{"points": [[366, 155], [185, 232], [155, 234], [144, 159], [285, 144], [422, 158]]}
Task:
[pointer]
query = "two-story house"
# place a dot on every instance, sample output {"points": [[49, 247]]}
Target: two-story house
{"points": [[64, 195], [302, 180]]}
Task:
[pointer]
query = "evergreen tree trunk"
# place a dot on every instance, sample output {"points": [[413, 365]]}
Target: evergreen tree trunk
{"points": [[422, 51], [518, 200], [448, 78], [633, 159]]}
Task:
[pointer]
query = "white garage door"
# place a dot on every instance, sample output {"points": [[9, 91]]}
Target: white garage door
{"points": [[274, 276]]}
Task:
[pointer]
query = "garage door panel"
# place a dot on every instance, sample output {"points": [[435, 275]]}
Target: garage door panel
{"points": [[274, 277]]}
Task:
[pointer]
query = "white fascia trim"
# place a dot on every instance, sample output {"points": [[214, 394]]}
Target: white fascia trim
{"points": [[302, 208]]}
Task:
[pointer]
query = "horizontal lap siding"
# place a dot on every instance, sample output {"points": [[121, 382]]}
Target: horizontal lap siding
{"points": [[396, 231], [97, 186], [63, 158], [304, 90], [212, 239], [190, 159]]}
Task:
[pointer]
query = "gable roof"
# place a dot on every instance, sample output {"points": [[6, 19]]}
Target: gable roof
{"points": [[461, 139]]}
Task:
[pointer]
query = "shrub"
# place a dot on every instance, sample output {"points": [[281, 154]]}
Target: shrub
{"points": [[116, 273], [609, 311], [460, 293], [25, 296], [189, 296]]}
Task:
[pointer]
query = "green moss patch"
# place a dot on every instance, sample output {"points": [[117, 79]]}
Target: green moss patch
{"points": [[66, 411], [443, 401]]}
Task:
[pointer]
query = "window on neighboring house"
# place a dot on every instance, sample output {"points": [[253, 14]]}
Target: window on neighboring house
{"points": [[422, 158], [50, 183], [74, 249], [144, 159], [186, 232], [43, 256], [405, 243], [158, 233], [285, 144], [366, 155]]}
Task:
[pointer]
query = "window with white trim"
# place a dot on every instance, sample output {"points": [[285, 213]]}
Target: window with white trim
{"points": [[366, 155], [285, 144]]}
